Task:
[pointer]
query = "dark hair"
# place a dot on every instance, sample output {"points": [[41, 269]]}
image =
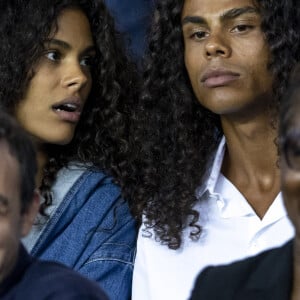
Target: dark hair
{"points": [[174, 151], [101, 136], [21, 148]]}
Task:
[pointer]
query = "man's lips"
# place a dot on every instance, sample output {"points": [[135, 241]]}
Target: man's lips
{"points": [[217, 78]]}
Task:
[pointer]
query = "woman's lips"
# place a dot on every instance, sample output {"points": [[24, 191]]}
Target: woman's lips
{"points": [[69, 109]]}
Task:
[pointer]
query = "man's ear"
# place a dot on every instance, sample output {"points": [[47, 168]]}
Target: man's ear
{"points": [[29, 216]]}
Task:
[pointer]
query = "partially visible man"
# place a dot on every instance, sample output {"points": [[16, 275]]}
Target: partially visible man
{"points": [[274, 274], [208, 183], [21, 276]]}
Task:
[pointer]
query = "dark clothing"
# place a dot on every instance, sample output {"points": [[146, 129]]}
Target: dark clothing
{"points": [[265, 276], [32, 279]]}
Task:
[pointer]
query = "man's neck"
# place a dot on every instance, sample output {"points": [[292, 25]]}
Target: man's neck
{"points": [[250, 161]]}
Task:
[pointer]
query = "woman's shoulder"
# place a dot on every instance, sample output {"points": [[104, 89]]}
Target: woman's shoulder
{"points": [[87, 185], [81, 173]]}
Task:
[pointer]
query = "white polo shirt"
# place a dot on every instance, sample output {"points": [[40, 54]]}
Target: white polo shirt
{"points": [[231, 231]]}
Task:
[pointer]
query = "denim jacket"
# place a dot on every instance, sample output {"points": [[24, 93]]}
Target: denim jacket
{"points": [[91, 231]]}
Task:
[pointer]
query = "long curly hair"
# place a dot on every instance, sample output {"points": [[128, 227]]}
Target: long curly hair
{"points": [[101, 136], [174, 135]]}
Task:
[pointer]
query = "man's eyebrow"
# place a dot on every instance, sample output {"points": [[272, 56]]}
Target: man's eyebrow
{"points": [[193, 19], [236, 12], [230, 14]]}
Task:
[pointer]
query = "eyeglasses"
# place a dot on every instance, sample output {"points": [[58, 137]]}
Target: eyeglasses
{"points": [[290, 146]]}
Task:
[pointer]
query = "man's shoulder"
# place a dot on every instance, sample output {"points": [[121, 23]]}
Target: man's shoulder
{"points": [[257, 274], [50, 280]]}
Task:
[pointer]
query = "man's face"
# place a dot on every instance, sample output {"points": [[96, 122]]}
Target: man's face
{"points": [[13, 225], [290, 162], [226, 56]]}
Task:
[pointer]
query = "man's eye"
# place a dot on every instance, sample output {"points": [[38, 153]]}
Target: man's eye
{"points": [[293, 157], [241, 28], [295, 152], [198, 35], [4, 207], [292, 152], [53, 55], [3, 210]]}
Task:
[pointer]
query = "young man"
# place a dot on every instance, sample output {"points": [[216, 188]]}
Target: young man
{"points": [[21, 276], [274, 274], [209, 188]]}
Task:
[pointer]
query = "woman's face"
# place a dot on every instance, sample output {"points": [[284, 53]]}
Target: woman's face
{"points": [[55, 97]]}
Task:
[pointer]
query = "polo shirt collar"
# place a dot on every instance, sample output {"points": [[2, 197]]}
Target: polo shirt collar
{"points": [[230, 202], [213, 172]]}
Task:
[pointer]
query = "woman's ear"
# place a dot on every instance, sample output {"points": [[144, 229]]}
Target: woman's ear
{"points": [[29, 215]]}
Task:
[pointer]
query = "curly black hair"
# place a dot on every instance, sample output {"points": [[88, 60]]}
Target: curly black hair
{"points": [[101, 136], [174, 135]]}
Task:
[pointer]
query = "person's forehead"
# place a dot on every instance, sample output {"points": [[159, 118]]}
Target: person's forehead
{"points": [[214, 7]]}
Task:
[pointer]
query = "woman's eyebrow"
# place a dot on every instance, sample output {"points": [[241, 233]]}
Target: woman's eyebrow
{"points": [[60, 43], [66, 46]]}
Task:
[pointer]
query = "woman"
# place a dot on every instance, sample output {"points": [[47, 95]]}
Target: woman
{"points": [[66, 80], [209, 189]]}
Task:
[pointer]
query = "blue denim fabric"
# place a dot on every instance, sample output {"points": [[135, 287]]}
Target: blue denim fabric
{"points": [[93, 232]]}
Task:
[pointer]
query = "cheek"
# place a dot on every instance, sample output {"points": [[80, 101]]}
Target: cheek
{"points": [[87, 88], [193, 61], [9, 237], [9, 245], [259, 64], [193, 70]]}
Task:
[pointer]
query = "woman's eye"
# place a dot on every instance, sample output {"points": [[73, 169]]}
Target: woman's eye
{"points": [[88, 61], [53, 55]]}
